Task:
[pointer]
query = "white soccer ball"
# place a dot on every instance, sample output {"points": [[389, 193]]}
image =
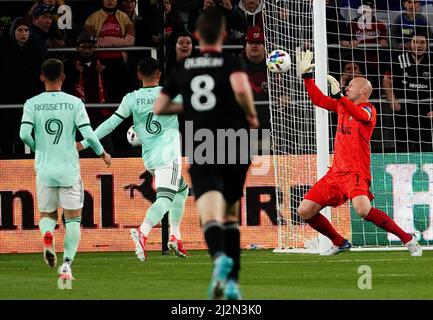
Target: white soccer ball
{"points": [[132, 137], [278, 61]]}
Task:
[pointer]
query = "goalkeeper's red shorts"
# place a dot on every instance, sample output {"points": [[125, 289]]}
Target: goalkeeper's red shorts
{"points": [[334, 189]]}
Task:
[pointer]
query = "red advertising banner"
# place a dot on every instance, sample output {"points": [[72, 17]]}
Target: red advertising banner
{"points": [[116, 199]]}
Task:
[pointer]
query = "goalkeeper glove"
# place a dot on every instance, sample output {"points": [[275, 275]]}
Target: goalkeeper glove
{"points": [[305, 65], [335, 87]]}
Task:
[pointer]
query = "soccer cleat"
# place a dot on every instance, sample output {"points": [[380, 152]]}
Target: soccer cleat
{"points": [[65, 272], [177, 247], [336, 250], [413, 247], [222, 267], [140, 243], [232, 291], [49, 254]]}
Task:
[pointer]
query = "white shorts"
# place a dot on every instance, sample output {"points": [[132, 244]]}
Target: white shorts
{"points": [[51, 198], [167, 177]]}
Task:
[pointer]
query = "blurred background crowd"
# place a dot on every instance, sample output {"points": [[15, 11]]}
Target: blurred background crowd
{"points": [[383, 40]]}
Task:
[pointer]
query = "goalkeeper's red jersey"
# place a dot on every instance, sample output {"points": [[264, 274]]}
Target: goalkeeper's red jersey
{"points": [[354, 129]]}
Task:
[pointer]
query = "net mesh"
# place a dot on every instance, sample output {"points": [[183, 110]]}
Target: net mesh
{"points": [[380, 44]]}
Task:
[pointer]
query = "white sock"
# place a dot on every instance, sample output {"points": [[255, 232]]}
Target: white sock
{"points": [[145, 227], [175, 230]]}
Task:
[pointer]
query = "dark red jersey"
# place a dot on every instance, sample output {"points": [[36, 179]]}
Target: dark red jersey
{"points": [[354, 129]]}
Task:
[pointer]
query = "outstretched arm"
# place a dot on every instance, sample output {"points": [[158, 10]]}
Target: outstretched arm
{"points": [[91, 139], [317, 97], [105, 128], [94, 143], [305, 66]]}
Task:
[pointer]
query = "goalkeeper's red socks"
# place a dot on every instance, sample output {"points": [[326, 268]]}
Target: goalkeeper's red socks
{"points": [[322, 225], [382, 220]]}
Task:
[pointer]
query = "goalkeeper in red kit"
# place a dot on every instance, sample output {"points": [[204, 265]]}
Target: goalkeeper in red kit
{"points": [[349, 176]]}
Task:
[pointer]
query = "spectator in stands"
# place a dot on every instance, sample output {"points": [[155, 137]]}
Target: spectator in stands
{"points": [[172, 27], [20, 63], [188, 13], [182, 50], [350, 70], [335, 23], [84, 79], [56, 37], [407, 82], [112, 28], [236, 22], [365, 28], [50, 3], [84, 72], [41, 24], [427, 11], [405, 24], [254, 57], [387, 10], [252, 9], [128, 6], [353, 67]]}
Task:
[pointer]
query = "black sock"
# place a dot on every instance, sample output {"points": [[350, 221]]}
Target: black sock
{"points": [[232, 247], [213, 234]]}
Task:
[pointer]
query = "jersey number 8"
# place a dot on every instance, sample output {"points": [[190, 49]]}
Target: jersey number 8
{"points": [[203, 99]]}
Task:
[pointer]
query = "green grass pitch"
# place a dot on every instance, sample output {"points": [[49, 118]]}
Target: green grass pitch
{"points": [[264, 275]]}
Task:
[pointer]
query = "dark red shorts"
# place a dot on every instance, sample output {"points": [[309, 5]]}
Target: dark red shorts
{"points": [[335, 189]]}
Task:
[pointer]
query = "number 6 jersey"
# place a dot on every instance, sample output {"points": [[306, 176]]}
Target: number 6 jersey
{"points": [[159, 134]]}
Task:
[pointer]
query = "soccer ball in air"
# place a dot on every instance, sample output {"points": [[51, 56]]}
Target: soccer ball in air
{"points": [[132, 137], [278, 61]]}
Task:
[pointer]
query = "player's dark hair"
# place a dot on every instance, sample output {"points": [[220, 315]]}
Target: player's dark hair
{"points": [[210, 25], [148, 67], [52, 69]]}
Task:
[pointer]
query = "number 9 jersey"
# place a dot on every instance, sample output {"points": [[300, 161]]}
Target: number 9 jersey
{"points": [[55, 116], [159, 134]]}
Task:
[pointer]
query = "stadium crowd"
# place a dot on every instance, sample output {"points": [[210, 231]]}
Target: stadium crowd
{"points": [[360, 34]]}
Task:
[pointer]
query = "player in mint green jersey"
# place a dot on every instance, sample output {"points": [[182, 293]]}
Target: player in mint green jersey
{"points": [[54, 117], [161, 155]]}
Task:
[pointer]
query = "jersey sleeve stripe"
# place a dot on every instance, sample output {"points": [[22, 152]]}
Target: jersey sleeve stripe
{"points": [[83, 125], [120, 116], [27, 122], [368, 110]]}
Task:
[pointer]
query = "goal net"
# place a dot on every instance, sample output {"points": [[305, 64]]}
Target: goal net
{"points": [[370, 42]]}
